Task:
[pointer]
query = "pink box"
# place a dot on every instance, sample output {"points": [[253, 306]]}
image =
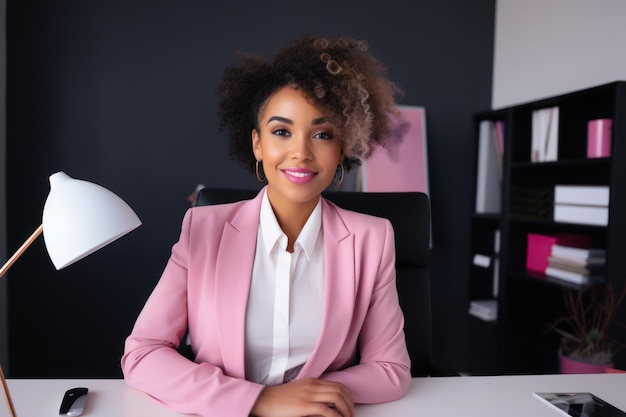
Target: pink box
{"points": [[599, 138], [538, 250]]}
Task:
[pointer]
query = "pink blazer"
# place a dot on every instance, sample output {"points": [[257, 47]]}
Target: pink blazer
{"points": [[205, 286]]}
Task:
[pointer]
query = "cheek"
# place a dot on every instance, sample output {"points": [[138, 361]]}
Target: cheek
{"points": [[337, 154], [271, 153], [331, 158]]}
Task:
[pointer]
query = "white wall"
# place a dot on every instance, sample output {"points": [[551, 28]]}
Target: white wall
{"points": [[549, 47]]}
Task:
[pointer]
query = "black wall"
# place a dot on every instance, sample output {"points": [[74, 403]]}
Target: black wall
{"points": [[121, 93]]}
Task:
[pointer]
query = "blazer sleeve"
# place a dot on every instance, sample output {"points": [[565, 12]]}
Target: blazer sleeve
{"points": [[383, 372], [152, 364]]}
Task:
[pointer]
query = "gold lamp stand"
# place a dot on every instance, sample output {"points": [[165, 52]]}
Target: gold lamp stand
{"points": [[3, 270]]}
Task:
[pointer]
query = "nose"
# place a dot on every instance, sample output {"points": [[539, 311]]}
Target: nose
{"points": [[301, 148]]}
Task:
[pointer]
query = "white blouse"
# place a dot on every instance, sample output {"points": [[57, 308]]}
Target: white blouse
{"points": [[285, 305]]}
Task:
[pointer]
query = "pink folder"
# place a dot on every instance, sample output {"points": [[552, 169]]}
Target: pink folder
{"points": [[599, 138]]}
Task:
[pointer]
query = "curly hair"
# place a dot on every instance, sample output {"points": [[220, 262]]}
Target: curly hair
{"points": [[339, 76]]}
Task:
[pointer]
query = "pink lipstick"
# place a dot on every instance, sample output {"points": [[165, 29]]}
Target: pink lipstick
{"points": [[299, 175]]}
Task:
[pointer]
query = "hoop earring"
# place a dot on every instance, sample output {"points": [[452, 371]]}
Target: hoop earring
{"points": [[257, 171], [341, 177]]}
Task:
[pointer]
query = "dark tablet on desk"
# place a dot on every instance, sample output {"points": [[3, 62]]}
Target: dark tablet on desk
{"points": [[579, 404]]}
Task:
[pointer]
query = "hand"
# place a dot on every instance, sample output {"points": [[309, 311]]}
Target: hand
{"points": [[305, 397]]}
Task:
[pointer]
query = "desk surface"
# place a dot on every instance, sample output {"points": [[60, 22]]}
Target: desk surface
{"points": [[488, 396]]}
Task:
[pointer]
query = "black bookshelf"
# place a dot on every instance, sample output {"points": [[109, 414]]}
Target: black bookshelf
{"points": [[527, 302]]}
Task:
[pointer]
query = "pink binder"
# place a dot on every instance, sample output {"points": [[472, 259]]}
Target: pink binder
{"points": [[599, 138]]}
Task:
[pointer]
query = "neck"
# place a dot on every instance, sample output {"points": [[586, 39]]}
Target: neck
{"points": [[292, 216]]}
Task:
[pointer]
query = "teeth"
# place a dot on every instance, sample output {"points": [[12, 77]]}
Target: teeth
{"points": [[299, 174]]}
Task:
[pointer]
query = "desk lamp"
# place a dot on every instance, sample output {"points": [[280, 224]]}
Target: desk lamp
{"points": [[79, 218]]}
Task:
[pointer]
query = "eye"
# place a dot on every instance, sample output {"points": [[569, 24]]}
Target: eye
{"points": [[323, 135], [280, 132]]}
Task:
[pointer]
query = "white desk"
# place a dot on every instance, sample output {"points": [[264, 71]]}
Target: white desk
{"points": [[494, 396]]}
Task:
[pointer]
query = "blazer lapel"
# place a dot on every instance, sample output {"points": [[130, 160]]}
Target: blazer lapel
{"points": [[339, 292], [233, 272]]}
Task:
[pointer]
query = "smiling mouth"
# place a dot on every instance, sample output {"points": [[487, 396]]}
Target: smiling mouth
{"points": [[299, 174], [300, 177]]}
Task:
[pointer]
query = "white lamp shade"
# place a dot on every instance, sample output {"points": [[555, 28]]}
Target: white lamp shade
{"points": [[80, 217]]}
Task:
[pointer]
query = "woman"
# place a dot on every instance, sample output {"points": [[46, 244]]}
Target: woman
{"points": [[290, 301]]}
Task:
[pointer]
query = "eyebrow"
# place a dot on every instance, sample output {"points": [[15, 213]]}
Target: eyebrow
{"points": [[318, 121]]}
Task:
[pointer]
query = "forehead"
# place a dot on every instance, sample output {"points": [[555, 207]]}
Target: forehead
{"points": [[286, 101]]}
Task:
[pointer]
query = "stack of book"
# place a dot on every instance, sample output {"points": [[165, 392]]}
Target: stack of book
{"points": [[582, 204], [576, 265], [484, 309]]}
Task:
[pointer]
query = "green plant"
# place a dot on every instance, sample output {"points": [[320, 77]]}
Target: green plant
{"points": [[583, 328]]}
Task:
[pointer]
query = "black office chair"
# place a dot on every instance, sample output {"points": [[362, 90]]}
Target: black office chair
{"points": [[409, 213]]}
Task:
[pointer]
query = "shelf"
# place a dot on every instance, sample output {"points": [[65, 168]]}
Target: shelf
{"points": [[587, 162], [549, 223], [548, 174], [546, 280], [528, 301]]}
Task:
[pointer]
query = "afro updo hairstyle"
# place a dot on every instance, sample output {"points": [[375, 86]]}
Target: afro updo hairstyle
{"points": [[339, 76]]}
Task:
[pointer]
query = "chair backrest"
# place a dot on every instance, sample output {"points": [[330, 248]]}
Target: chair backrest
{"points": [[409, 213]]}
